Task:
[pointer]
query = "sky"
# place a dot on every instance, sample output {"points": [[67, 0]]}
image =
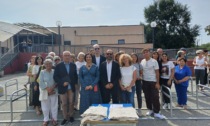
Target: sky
{"points": [[94, 12]]}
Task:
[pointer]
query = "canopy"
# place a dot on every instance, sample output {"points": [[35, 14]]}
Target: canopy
{"points": [[8, 30]]}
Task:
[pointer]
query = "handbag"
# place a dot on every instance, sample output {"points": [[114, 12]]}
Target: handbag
{"points": [[43, 93]]}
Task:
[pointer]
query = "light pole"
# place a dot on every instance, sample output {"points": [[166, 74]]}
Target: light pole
{"points": [[59, 24], [153, 25]]}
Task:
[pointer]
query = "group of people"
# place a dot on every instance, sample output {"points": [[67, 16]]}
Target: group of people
{"points": [[112, 78], [26, 46]]}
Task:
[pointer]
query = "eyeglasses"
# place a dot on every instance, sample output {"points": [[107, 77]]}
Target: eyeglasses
{"points": [[198, 53], [97, 48], [109, 54]]}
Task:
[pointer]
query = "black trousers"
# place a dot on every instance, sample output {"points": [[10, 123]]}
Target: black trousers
{"points": [[205, 77], [164, 82], [151, 96], [138, 93], [109, 94]]}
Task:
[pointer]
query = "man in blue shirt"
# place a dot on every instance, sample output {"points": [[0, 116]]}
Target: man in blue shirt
{"points": [[65, 76]]}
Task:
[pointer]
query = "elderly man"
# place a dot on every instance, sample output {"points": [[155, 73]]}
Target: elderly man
{"points": [[65, 76], [51, 54], [160, 52], [98, 59]]}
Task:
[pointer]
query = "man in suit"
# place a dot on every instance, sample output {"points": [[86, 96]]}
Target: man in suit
{"points": [[110, 75], [65, 76], [98, 58]]}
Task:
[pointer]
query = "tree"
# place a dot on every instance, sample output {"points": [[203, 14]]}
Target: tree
{"points": [[173, 25]]}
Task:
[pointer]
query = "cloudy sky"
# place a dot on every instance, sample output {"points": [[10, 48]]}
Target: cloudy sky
{"points": [[94, 12]]}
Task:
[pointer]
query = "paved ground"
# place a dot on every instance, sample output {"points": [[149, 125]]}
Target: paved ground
{"points": [[180, 117]]}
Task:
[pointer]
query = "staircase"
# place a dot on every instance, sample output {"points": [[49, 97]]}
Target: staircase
{"points": [[8, 57]]}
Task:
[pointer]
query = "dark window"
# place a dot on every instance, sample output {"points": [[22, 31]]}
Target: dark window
{"points": [[94, 42], [121, 41], [67, 42]]}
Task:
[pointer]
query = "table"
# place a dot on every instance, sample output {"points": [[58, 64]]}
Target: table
{"points": [[108, 122]]}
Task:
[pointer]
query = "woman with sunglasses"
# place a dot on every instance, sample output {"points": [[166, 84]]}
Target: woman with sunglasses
{"points": [[199, 63]]}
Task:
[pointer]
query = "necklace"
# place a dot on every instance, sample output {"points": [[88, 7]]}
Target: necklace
{"points": [[89, 65]]}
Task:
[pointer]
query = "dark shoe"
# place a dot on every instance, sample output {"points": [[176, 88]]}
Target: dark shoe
{"points": [[71, 119], [64, 122], [75, 109]]}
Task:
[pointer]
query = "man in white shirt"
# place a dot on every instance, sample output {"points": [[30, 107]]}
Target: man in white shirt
{"points": [[151, 84]]}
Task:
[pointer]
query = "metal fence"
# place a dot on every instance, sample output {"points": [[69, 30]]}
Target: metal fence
{"points": [[191, 52]]}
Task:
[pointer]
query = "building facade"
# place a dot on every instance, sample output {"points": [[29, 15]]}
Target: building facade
{"points": [[131, 36]]}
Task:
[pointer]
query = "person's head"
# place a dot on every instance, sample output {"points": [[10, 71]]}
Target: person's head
{"points": [[66, 56], [160, 51], [32, 60], [97, 49], [134, 57], [205, 52], [92, 52], [80, 56], [51, 54], [88, 58], [117, 56], [57, 60], [72, 58], [38, 60], [184, 50], [182, 61], [48, 63], [49, 57], [180, 53], [109, 54], [122, 51], [199, 53], [125, 60], [165, 57], [146, 53], [155, 55]]}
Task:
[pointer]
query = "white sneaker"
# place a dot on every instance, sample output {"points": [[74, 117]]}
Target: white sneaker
{"points": [[149, 113], [139, 113], [158, 115], [165, 106], [169, 106]]}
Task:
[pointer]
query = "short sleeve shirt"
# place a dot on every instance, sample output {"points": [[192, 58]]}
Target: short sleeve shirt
{"points": [[149, 68], [166, 70]]}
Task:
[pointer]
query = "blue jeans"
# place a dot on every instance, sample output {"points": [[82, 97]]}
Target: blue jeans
{"points": [[128, 97], [181, 92]]}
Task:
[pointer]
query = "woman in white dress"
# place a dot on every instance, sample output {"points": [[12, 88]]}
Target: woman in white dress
{"points": [[79, 64]]}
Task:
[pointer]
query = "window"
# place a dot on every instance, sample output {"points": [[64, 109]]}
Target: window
{"points": [[67, 42], [121, 41], [94, 42]]}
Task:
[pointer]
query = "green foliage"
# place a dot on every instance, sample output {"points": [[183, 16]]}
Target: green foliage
{"points": [[173, 28], [205, 46]]}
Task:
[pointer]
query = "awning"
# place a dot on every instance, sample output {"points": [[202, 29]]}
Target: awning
{"points": [[8, 30]]}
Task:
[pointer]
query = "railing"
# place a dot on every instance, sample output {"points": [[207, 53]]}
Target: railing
{"points": [[197, 90], [15, 99], [167, 95], [191, 81], [77, 48], [10, 83], [9, 56]]}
